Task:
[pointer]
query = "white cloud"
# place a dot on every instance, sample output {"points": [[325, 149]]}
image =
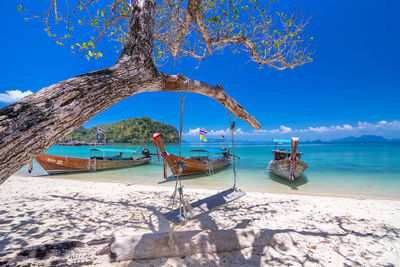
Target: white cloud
{"points": [[379, 127], [285, 129], [13, 96], [192, 132]]}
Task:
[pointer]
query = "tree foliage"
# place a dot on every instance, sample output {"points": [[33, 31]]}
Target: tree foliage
{"points": [[132, 130], [195, 28]]}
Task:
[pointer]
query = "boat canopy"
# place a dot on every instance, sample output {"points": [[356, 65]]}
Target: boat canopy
{"points": [[216, 140], [113, 150], [209, 150], [285, 141]]}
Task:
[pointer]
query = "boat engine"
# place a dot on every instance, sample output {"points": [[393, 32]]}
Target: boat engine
{"points": [[146, 153], [227, 151]]}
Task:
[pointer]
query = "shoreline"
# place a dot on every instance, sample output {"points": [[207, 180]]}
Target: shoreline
{"points": [[318, 230], [171, 185]]}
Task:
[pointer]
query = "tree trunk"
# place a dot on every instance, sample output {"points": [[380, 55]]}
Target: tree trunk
{"points": [[31, 126], [187, 243]]}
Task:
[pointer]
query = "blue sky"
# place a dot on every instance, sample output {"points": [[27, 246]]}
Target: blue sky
{"points": [[354, 79]]}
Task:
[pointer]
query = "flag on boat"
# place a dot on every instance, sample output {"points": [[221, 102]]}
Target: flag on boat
{"points": [[203, 131], [202, 138], [99, 130]]}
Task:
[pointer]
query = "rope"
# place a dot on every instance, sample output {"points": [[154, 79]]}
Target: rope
{"points": [[179, 164], [171, 235], [232, 128], [184, 206]]}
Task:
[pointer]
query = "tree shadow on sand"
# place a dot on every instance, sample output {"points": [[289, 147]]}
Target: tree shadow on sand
{"points": [[90, 235], [171, 178]]}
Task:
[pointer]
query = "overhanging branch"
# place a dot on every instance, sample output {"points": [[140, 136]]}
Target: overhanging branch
{"points": [[175, 83], [31, 126]]}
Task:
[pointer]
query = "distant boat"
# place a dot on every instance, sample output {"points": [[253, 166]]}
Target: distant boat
{"points": [[200, 160], [109, 158], [287, 163]]}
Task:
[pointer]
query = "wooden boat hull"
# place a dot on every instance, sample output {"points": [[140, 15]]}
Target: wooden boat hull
{"points": [[54, 164], [193, 166], [282, 168]]}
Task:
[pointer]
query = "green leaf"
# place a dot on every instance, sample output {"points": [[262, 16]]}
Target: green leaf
{"points": [[98, 55], [19, 8]]}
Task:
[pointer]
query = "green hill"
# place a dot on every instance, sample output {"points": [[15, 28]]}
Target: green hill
{"points": [[132, 130]]}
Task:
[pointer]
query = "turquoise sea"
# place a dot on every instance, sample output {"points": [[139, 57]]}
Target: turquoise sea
{"points": [[334, 169]]}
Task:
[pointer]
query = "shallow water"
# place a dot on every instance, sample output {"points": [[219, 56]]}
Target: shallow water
{"points": [[337, 169]]}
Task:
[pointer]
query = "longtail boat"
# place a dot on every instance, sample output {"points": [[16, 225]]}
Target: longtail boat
{"points": [[287, 163], [106, 158], [200, 160]]}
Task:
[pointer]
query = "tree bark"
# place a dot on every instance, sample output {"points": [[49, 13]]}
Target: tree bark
{"points": [[31, 126], [187, 243]]}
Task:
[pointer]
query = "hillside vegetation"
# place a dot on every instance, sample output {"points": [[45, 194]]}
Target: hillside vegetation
{"points": [[132, 130]]}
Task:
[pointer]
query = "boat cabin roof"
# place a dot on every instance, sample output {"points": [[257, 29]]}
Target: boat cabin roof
{"points": [[215, 140], [209, 150], [287, 152], [113, 150], [282, 141]]}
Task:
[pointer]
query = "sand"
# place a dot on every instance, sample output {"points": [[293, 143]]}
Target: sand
{"points": [[303, 230]]}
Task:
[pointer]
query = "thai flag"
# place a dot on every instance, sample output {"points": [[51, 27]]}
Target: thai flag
{"points": [[99, 130], [203, 132]]}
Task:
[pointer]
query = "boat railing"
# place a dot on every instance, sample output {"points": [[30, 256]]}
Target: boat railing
{"points": [[201, 158], [115, 158]]}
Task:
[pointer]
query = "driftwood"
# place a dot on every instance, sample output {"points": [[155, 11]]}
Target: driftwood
{"points": [[155, 245], [140, 247], [31, 126]]}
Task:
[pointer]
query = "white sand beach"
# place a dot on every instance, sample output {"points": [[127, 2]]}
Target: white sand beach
{"points": [[301, 230]]}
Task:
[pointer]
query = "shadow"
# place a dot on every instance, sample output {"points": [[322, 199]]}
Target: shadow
{"points": [[171, 178], [299, 181], [72, 233]]}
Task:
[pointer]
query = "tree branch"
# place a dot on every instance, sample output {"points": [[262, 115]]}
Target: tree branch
{"points": [[174, 83], [180, 34], [252, 49], [195, 10], [31, 126]]}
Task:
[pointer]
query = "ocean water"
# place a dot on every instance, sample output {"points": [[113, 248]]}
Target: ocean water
{"points": [[334, 169]]}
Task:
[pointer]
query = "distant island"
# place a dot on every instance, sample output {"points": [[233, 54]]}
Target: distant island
{"points": [[360, 139], [132, 130]]}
